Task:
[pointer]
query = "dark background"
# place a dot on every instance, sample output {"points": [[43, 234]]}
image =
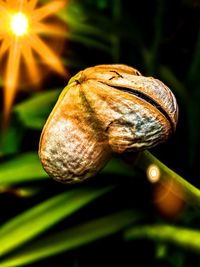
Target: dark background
{"points": [[161, 39]]}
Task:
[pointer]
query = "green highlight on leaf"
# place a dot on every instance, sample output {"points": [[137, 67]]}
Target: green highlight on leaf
{"points": [[36, 220], [23, 168], [10, 140], [27, 168], [72, 238], [182, 237], [34, 111]]}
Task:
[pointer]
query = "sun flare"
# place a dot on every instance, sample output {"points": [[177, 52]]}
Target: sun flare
{"points": [[19, 24], [20, 41]]}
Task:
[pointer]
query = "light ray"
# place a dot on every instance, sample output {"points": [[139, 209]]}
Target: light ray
{"points": [[48, 10], [31, 64], [3, 6], [31, 4], [12, 4], [5, 46], [49, 57], [49, 29], [11, 77]]}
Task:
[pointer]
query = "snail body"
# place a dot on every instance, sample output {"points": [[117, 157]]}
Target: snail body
{"points": [[104, 109]]}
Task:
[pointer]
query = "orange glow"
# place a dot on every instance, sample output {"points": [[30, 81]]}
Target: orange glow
{"points": [[169, 199], [19, 39]]}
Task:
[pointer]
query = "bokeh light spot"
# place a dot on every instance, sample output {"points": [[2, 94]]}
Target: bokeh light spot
{"points": [[153, 173]]}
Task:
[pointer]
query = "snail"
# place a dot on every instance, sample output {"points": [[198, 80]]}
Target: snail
{"points": [[103, 110]]}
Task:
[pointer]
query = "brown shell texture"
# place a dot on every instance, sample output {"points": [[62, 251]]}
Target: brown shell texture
{"points": [[104, 109]]}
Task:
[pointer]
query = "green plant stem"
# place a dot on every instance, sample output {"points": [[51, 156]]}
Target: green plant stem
{"points": [[183, 237], [190, 193], [115, 39], [193, 73], [158, 26], [151, 57]]}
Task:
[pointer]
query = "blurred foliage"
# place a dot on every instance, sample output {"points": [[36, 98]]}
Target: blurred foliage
{"points": [[111, 219]]}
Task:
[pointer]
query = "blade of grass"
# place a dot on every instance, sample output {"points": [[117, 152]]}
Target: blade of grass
{"points": [[27, 168], [41, 217], [78, 21], [30, 112], [193, 118], [183, 237], [115, 39], [193, 73], [72, 238], [189, 193], [10, 139], [151, 55], [23, 168]]}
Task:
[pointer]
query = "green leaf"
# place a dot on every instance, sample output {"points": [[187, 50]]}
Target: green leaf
{"points": [[193, 73], [77, 20], [182, 237], [10, 139], [191, 193], [27, 168], [193, 118], [34, 111], [72, 238], [36, 220], [23, 168]]}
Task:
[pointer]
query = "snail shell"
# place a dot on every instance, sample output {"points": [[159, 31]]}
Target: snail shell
{"points": [[104, 109]]}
